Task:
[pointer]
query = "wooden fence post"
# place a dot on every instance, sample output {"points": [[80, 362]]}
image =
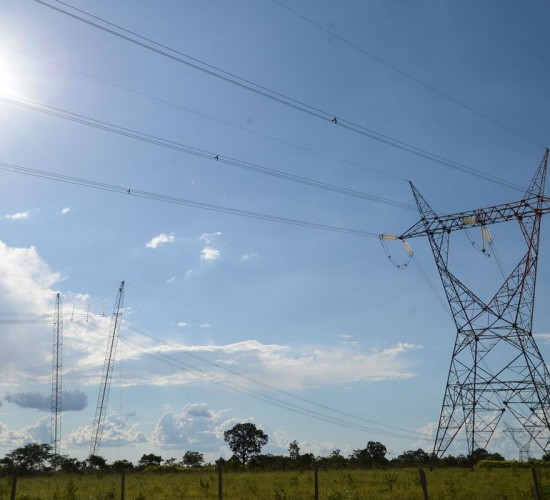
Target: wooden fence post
{"points": [[316, 482], [122, 485], [536, 484], [13, 485], [423, 482], [220, 482]]}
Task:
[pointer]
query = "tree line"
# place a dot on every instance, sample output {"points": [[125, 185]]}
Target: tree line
{"points": [[245, 441]]}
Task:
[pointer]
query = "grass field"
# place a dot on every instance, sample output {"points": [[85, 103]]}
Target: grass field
{"points": [[493, 484]]}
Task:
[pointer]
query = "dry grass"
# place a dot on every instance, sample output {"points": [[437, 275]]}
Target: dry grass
{"points": [[452, 484]]}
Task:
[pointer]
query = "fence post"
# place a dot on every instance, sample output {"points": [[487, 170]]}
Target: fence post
{"points": [[423, 482], [220, 482], [536, 484], [13, 485], [316, 482], [122, 485]]}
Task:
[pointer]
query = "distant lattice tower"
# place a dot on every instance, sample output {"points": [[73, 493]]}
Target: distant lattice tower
{"points": [[496, 366], [522, 440], [103, 396], [57, 374]]}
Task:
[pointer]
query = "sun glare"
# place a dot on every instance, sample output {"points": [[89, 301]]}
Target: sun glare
{"points": [[14, 79]]}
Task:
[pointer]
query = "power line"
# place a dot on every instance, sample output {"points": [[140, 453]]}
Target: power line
{"points": [[259, 395], [123, 190], [205, 115], [251, 379], [228, 77], [408, 75], [191, 150]]}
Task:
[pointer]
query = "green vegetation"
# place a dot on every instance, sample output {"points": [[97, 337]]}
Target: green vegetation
{"points": [[365, 473], [402, 483]]}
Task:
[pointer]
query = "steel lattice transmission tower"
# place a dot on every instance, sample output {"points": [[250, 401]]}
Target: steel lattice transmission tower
{"points": [[104, 388], [57, 374], [496, 366], [522, 440]]}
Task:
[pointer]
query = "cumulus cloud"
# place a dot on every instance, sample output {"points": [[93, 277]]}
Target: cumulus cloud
{"points": [[116, 432], [248, 256], [27, 284], [18, 215], [182, 324], [195, 425], [71, 400], [209, 253], [65, 210], [37, 433], [160, 240]]}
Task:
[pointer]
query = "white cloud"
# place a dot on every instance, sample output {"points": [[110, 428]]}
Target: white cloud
{"points": [[18, 215], [295, 367], [194, 426], [38, 433], [209, 253], [65, 210], [116, 432], [209, 238], [248, 256], [160, 240], [204, 325], [545, 337], [182, 324], [171, 280], [26, 284]]}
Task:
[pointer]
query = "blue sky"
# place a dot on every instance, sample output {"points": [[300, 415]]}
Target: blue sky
{"points": [[311, 334]]}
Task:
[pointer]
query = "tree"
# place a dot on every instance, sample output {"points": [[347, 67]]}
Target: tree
{"points": [[414, 457], [150, 459], [377, 451], [97, 462], [193, 459], [374, 454], [294, 450], [29, 458], [65, 463], [482, 454], [245, 440], [122, 465]]}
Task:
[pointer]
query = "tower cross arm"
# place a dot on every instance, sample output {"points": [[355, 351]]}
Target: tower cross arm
{"points": [[436, 224]]}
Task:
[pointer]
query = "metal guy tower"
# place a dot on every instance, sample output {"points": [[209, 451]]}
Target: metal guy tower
{"points": [[108, 365], [57, 373], [496, 366]]}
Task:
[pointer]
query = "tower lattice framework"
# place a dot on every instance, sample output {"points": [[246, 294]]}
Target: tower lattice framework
{"points": [[496, 366], [57, 374], [108, 365]]}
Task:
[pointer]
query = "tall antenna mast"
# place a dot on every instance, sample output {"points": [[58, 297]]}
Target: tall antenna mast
{"points": [[57, 372], [104, 388], [496, 365]]}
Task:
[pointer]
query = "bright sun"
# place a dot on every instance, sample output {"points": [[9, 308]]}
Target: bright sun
{"points": [[12, 75]]}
